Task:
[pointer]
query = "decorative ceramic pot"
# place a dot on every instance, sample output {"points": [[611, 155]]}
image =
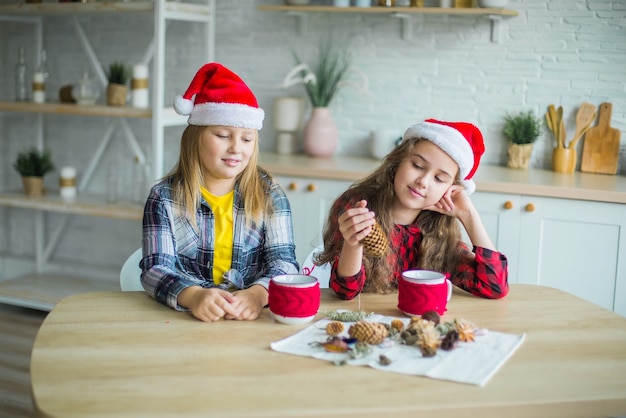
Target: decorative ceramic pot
{"points": [[320, 133]]}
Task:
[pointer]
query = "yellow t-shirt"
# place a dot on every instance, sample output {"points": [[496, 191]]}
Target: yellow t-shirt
{"points": [[222, 207]]}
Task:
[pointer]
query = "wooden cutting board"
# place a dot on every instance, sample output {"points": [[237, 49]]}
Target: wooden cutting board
{"points": [[601, 146]]}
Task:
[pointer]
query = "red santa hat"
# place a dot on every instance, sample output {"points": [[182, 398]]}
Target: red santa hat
{"points": [[462, 141], [221, 98]]}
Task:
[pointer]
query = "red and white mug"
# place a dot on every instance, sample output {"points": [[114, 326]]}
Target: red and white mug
{"points": [[294, 298], [420, 291]]}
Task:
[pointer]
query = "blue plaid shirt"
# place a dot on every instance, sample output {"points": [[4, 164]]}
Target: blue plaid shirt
{"points": [[176, 256]]}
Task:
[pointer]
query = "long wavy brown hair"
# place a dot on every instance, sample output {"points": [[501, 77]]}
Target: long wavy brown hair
{"points": [[439, 249], [187, 178]]}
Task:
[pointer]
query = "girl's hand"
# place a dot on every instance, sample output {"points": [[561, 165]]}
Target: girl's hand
{"points": [[356, 223], [455, 202], [209, 304], [250, 302]]}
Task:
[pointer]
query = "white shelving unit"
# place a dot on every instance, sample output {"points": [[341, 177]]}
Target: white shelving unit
{"points": [[41, 289]]}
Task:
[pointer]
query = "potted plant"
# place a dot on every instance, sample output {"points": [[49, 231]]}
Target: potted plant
{"points": [[322, 82], [522, 130], [33, 165], [118, 75]]}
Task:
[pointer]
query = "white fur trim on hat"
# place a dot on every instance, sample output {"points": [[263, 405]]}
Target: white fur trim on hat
{"points": [[183, 106], [227, 114], [451, 141]]}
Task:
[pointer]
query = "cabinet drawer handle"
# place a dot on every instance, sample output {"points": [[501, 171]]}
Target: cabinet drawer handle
{"points": [[310, 187], [529, 207], [508, 205], [293, 186]]}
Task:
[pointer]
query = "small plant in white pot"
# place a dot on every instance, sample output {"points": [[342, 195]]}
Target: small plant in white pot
{"points": [[522, 130], [33, 165]]}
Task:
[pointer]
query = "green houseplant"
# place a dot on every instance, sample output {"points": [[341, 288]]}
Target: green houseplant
{"points": [[322, 81], [521, 130], [33, 165], [118, 75]]}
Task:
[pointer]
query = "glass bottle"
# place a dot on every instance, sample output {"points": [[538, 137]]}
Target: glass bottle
{"points": [[21, 89], [41, 76], [40, 79]]}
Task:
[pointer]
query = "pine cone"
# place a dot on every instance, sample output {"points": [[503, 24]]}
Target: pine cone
{"points": [[334, 328], [375, 243], [369, 332]]}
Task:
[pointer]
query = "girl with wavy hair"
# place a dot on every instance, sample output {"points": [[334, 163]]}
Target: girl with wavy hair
{"points": [[419, 197]]}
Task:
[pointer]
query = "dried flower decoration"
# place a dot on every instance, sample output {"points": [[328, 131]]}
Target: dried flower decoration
{"points": [[397, 324], [428, 342], [465, 329], [331, 74], [347, 316]]}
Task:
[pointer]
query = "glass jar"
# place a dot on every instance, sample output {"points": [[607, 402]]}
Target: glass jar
{"points": [[86, 91]]}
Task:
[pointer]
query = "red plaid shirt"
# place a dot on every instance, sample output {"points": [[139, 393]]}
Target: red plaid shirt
{"points": [[484, 275]]}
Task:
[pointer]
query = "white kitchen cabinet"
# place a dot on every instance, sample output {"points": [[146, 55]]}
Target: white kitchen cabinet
{"points": [[575, 245], [310, 199], [49, 283]]}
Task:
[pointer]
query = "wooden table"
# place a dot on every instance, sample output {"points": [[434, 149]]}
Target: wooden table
{"points": [[122, 354]]}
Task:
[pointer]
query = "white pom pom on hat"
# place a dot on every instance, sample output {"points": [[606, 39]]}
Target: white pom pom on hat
{"points": [[462, 141], [218, 96]]}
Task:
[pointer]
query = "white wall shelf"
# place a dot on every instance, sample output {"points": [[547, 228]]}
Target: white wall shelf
{"points": [[402, 13], [37, 289], [85, 204]]}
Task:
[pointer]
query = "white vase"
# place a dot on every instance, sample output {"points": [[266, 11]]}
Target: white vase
{"points": [[320, 133], [383, 141]]}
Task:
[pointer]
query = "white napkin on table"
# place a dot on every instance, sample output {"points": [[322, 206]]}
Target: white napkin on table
{"points": [[474, 362]]}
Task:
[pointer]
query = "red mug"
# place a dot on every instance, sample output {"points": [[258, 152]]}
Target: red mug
{"points": [[294, 298], [420, 291]]}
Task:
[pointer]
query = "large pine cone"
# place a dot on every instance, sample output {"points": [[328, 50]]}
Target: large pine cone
{"points": [[375, 243], [369, 332]]}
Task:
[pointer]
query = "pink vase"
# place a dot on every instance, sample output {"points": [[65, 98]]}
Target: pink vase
{"points": [[320, 133]]}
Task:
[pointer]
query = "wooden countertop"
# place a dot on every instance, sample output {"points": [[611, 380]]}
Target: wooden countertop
{"points": [[123, 354], [489, 178]]}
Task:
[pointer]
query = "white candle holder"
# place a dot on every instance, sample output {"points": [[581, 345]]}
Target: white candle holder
{"points": [[287, 118]]}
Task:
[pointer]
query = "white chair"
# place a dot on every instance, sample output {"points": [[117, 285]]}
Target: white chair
{"points": [[322, 273], [130, 273]]}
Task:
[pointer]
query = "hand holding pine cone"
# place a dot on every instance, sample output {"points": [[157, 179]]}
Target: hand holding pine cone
{"points": [[375, 243]]}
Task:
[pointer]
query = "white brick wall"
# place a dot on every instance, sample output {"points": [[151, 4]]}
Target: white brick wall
{"points": [[556, 51]]}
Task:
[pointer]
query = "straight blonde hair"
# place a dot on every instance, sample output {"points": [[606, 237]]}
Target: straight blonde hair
{"points": [[187, 177]]}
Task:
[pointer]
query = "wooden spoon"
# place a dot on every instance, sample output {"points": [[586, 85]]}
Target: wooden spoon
{"points": [[584, 118], [554, 122], [561, 124]]}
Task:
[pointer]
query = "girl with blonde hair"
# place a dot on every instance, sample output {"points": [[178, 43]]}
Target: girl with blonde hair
{"points": [[217, 227]]}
